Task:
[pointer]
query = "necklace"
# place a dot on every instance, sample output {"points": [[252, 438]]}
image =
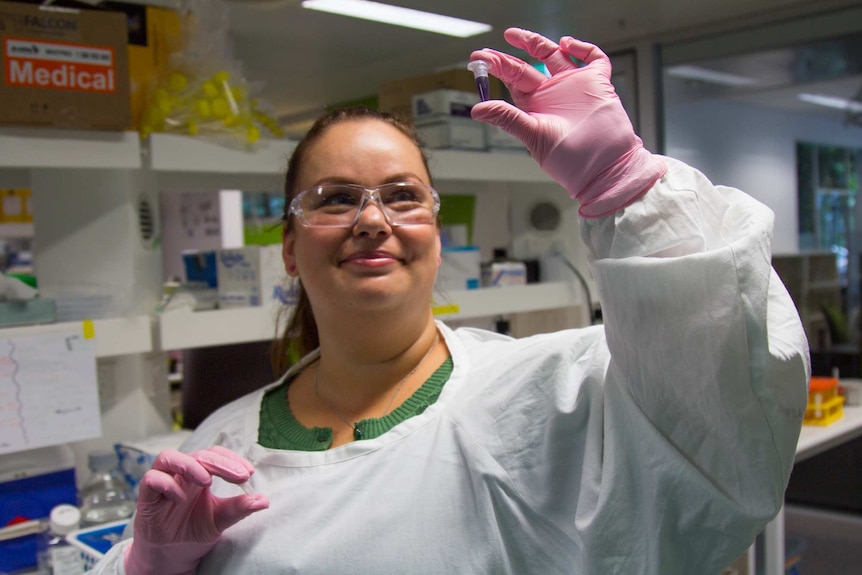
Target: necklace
{"points": [[357, 433]]}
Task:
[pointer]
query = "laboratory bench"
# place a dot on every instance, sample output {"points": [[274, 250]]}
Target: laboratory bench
{"points": [[813, 440]]}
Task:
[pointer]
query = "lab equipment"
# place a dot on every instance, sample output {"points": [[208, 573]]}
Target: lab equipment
{"points": [[247, 488], [56, 555], [852, 391], [480, 72], [105, 496], [443, 103], [502, 271], [824, 404]]}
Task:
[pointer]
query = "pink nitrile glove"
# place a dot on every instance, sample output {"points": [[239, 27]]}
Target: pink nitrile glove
{"points": [[178, 519], [573, 123]]}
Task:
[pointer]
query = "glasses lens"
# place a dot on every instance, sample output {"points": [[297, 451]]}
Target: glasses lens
{"points": [[335, 205], [408, 202], [332, 205]]}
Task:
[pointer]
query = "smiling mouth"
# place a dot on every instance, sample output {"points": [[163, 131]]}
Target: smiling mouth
{"points": [[371, 257]]}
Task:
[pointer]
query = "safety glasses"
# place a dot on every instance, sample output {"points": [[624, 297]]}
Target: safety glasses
{"points": [[339, 205]]}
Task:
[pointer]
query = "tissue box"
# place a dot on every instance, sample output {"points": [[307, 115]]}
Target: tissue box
{"points": [[460, 268], [250, 276]]}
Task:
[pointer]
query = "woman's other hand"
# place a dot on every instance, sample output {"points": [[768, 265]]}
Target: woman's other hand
{"points": [[178, 519]]}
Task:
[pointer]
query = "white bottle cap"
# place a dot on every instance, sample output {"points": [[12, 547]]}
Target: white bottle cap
{"points": [[65, 518], [478, 67]]}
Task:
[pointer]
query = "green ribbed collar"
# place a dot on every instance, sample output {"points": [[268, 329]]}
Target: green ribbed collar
{"points": [[279, 429]]}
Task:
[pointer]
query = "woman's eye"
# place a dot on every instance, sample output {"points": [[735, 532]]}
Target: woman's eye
{"points": [[405, 194], [337, 198]]}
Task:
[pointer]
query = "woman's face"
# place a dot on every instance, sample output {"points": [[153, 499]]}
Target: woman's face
{"points": [[371, 265]]}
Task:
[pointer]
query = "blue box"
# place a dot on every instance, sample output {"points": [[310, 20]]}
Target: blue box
{"points": [[31, 498], [201, 268]]}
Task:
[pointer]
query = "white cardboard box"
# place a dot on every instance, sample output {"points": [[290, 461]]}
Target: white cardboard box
{"points": [[251, 276], [499, 139], [443, 103], [452, 132], [460, 268]]}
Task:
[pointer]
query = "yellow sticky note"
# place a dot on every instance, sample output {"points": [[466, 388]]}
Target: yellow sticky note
{"points": [[89, 329], [445, 309]]}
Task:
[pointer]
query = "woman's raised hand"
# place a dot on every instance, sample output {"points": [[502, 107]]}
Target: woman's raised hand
{"points": [[573, 123]]}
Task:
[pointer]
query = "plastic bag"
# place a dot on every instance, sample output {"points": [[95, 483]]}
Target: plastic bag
{"points": [[203, 91]]}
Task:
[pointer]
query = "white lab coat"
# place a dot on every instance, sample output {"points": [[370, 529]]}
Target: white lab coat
{"points": [[660, 443]]}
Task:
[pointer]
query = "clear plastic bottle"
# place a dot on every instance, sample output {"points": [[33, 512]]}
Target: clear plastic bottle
{"points": [[105, 496], [55, 555]]}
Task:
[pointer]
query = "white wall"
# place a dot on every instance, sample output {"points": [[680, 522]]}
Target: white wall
{"points": [[754, 149]]}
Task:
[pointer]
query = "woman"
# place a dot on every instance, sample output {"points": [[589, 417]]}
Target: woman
{"points": [[660, 442]]}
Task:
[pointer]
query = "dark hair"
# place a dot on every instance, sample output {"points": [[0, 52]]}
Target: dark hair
{"points": [[300, 334]]}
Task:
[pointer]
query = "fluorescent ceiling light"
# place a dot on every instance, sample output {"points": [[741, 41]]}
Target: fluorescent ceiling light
{"points": [[832, 102], [711, 76], [398, 16]]}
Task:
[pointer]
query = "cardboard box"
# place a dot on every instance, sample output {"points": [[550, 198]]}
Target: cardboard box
{"points": [[155, 34], [396, 96], [63, 67], [250, 276], [452, 132], [442, 103]]}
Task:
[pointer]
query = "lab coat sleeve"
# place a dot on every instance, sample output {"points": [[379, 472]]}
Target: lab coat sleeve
{"points": [[112, 563], [707, 382]]}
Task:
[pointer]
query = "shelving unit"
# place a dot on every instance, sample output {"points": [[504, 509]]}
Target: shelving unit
{"points": [[16, 231], [167, 156], [114, 336], [45, 148], [187, 329]]}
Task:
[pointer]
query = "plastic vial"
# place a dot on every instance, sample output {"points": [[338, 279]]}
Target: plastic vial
{"points": [[480, 72], [105, 496], [55, 555]]}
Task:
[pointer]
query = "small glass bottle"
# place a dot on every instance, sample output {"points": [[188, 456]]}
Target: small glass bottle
{"points": [[55, 555], [105, 496]]}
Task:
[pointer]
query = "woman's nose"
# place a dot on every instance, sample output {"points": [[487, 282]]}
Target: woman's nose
{"points": [[371, 220]]}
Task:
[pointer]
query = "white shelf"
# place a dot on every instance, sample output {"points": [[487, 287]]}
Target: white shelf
{"points": [[16, 231], [816, 439], [505, 300], [115, 336], [486, 166], [186, 329], [175, 153], [52, 148]]}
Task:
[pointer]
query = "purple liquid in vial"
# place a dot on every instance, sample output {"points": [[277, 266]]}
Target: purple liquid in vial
{"points": [[484, 87]]}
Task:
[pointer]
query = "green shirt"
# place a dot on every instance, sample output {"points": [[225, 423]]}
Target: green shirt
{"points": [[279, 429]]}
